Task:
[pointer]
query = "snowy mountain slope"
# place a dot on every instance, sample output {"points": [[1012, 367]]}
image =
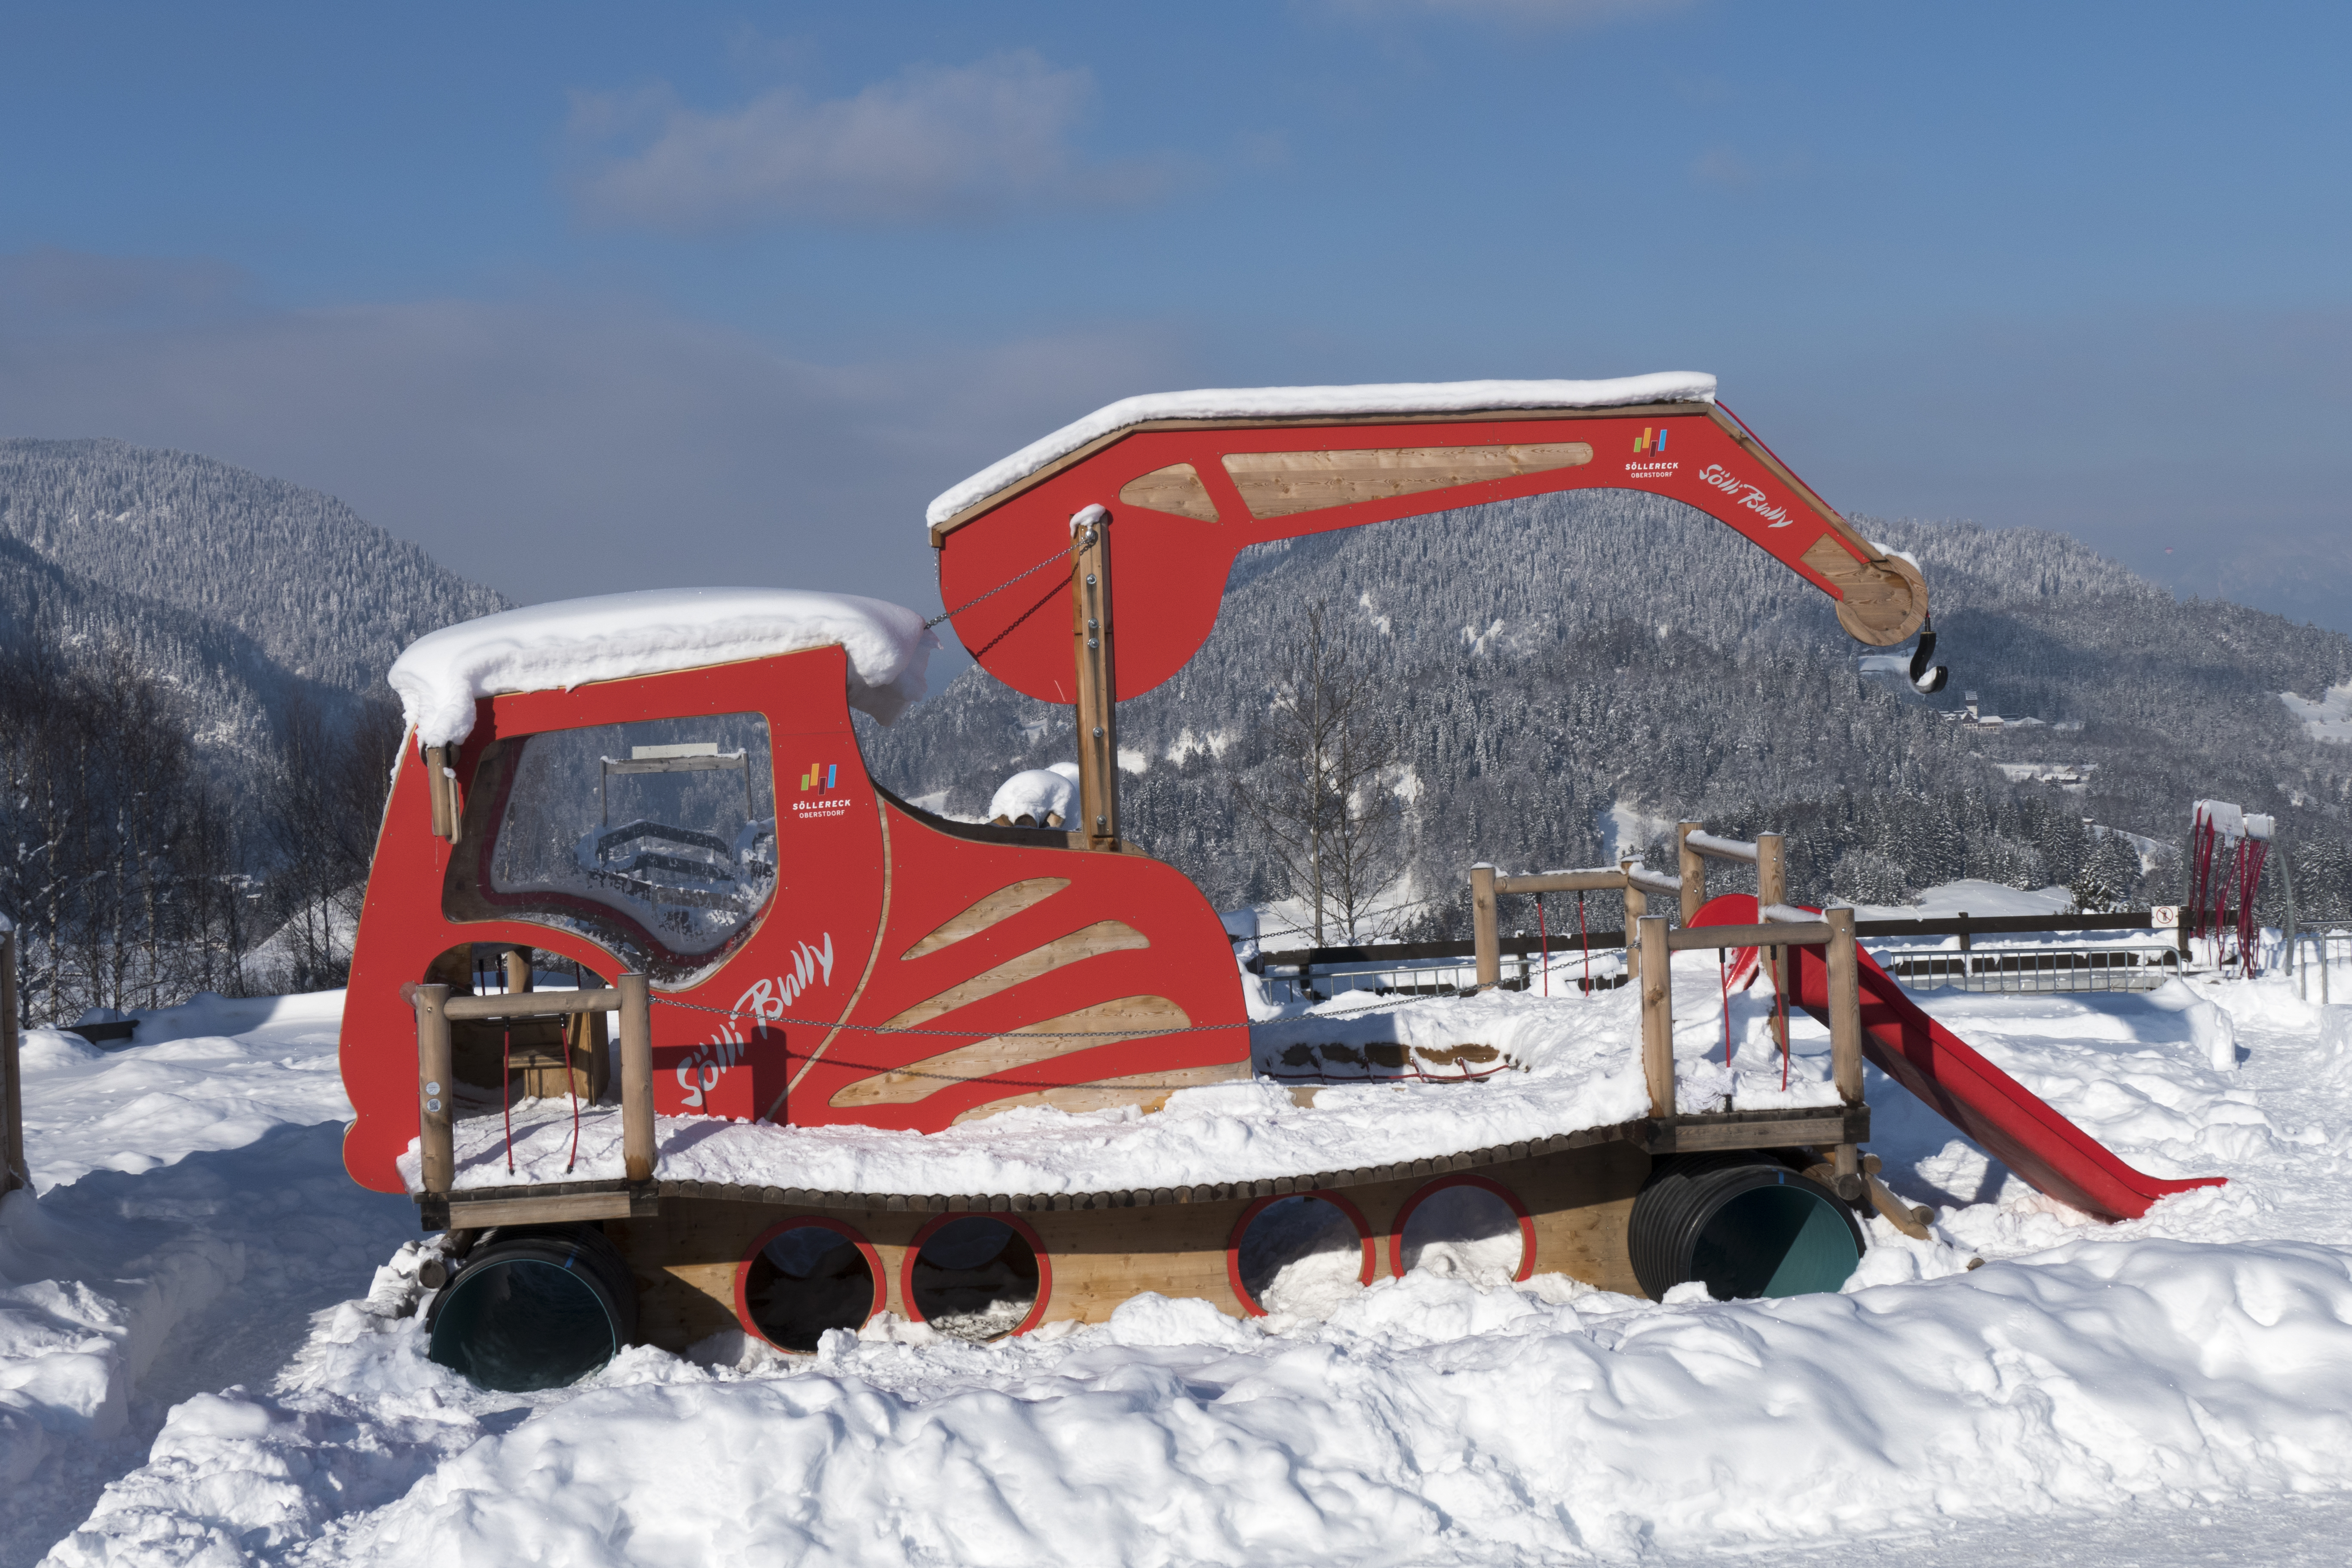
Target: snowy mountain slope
{"points": [[237, 692], [1551, 660], [324, 595]]}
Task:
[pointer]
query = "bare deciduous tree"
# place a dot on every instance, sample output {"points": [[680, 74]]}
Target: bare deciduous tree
{"points": [[1319, 803]]}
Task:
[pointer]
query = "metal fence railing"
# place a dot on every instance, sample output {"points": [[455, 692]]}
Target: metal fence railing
{"points": [[2318, 949], [2035, 969], [1437, 977]]}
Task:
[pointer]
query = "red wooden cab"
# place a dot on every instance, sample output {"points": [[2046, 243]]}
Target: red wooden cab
{"points": [[716, 828]]}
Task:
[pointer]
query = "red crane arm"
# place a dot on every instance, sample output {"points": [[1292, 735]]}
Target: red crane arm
{"points": [[1189, 495]]}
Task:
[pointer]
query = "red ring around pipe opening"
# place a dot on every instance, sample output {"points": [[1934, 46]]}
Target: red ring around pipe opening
{"points": [[1019, 1226], [1241, 1228], [1466, 1179], [874, 1270]]}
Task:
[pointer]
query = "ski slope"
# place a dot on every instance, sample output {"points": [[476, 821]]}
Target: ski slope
{"points": [[208, 1354]]}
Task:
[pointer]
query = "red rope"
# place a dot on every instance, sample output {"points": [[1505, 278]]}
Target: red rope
{"points": [[1780, 990], [1543, 940], [573, 1089], [506, 1076]]}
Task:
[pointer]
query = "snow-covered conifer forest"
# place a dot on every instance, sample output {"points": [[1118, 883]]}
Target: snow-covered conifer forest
{"points": [[195, 726], [1568, 675]]}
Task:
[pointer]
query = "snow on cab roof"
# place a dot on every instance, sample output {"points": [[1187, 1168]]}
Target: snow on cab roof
{"points": [[1280, 402], [612, 637]]}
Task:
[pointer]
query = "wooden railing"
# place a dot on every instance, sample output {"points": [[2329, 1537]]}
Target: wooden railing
{"points": [[1782, 928], [436, 1082]]}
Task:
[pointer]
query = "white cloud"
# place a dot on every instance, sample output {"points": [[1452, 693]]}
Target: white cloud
{"points": [[952, 143]]}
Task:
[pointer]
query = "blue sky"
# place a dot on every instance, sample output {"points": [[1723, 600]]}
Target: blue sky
{"points": [[594, 297]]}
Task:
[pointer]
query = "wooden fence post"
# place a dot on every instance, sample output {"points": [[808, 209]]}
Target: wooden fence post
{"points": [[1637, 904], [636, 1080], [1482, 926], [1691, 867], [1845, 966], [1657, 1017], [1772, 888], [1097, 696], [436, 1085]]}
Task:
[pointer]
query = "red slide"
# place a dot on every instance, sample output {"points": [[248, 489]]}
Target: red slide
{"points": [[2005, 1119]]}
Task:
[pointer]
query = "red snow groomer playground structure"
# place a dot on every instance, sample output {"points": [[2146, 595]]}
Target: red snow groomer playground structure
{"points": [[682, 1026]]}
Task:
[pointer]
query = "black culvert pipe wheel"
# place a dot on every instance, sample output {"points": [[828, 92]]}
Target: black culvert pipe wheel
{"points": [[1743, 1226], [534, 1307]]}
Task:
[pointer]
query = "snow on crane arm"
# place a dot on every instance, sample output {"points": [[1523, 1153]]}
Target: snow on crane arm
{"points": [[1283, 402], [613, 636]]}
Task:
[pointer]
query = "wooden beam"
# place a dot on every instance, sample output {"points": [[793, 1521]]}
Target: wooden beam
{"points": [[1482, 926], [512, 1208], [1282, 484], [1561, 882], [1716, 849], [1813, 933], [1772, 889], [1657, 1017], [1637, 904], [636, 1080], [518, 975], [437, 1086], [1823, 1127], [1690, 868], [1098, 703], [436, 762], [1845, 1008], [535, 1004]]}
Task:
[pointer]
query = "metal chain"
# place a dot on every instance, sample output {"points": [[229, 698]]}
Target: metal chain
{"points": [[968, 604], [1027, 1035], [1073, 1035]]}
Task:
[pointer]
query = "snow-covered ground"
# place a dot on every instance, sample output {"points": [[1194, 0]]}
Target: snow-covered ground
{"points": [[2327, 717], [208, 1355]]}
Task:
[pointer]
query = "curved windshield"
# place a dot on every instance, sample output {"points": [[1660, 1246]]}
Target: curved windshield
{"points": [[655, 839]]}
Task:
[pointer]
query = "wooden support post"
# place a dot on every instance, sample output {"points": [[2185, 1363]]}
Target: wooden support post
{"points": [[436, 758], [1637, 904], [636, 1080], [1484, 935], [1845, 1007], [12, 1169], [1097, 704], [519, 977], [1657, 1017], [1691, 867], [1772, 888], [437, 1086], [1844, 964]]}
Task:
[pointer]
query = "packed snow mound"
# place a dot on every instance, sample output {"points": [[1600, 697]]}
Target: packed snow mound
{"points": [[1277, 401], [1427, 1421], [554, 648], [2328, 718], [1038, 795]]}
